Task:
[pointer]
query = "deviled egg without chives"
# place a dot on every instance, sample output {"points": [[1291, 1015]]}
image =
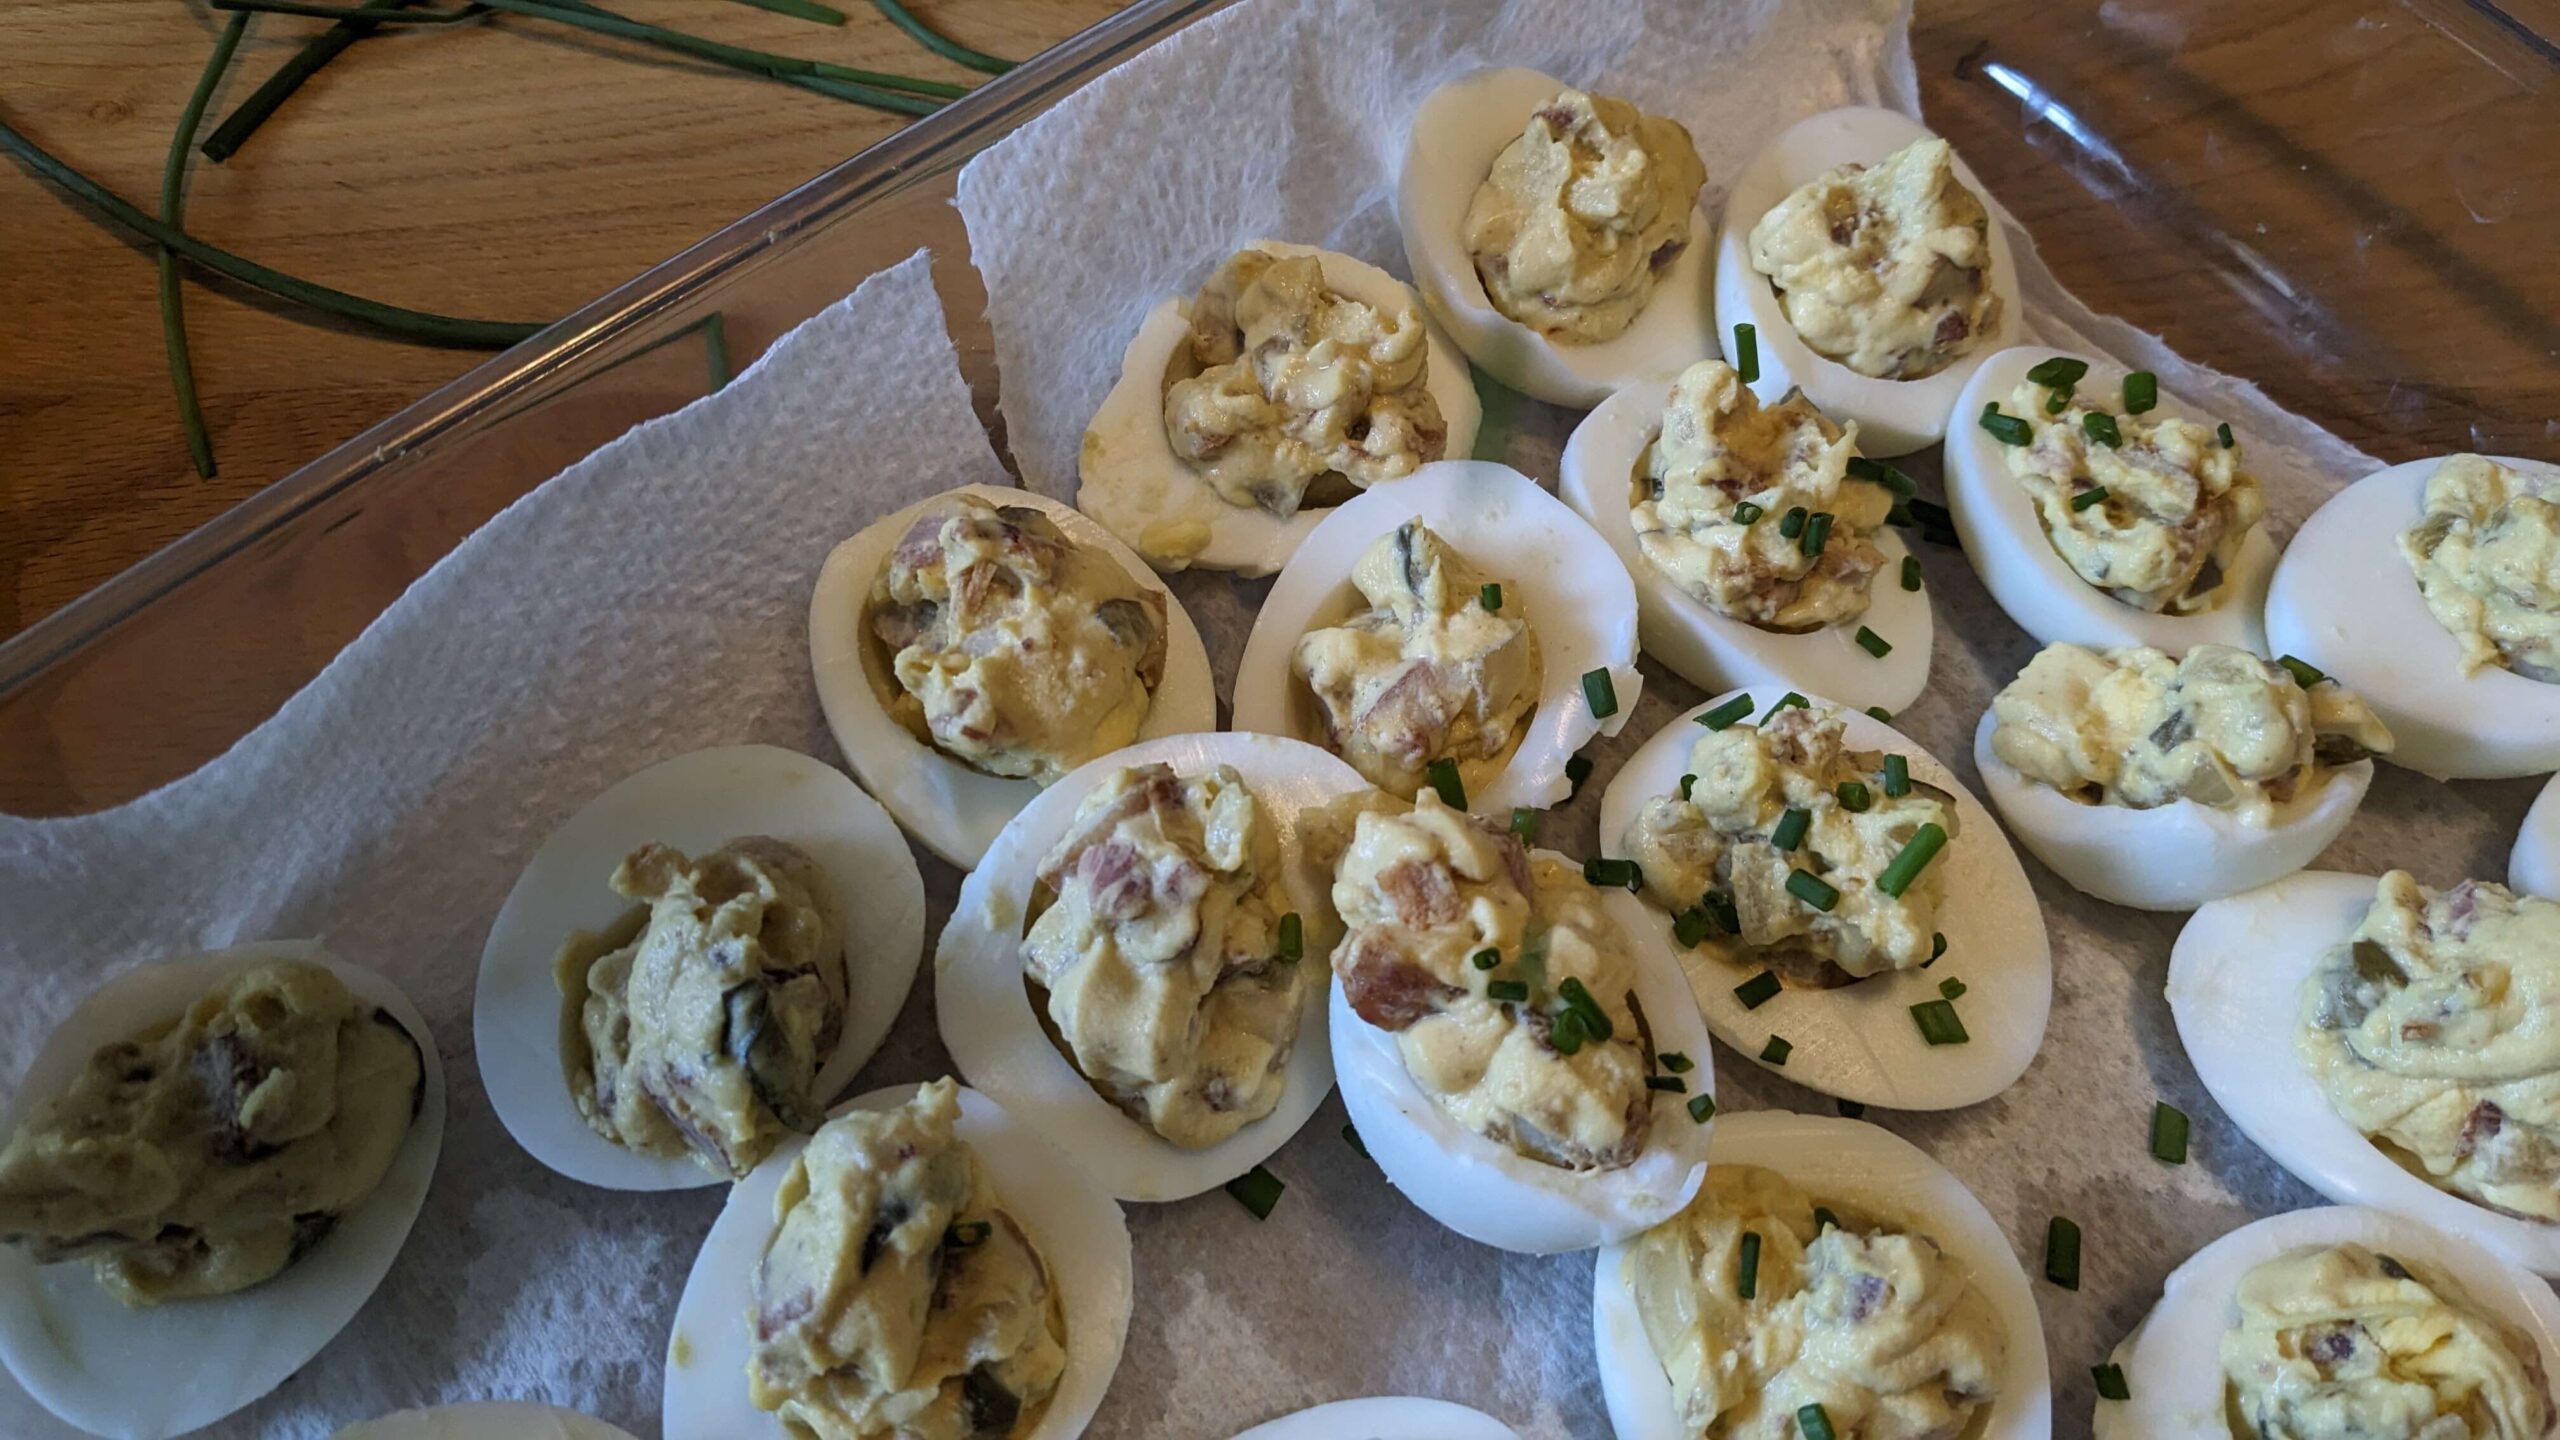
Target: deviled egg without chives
{"points": [[259, 1134], [1872, 1283], [1858, 248], [1294, 379], [1517, 1070], [2161, 783], [780, 923], [1772, 878], [1384, 1417], [2391, 1045], [1184, 855], [2332, 1321], [484, 1420], [2101, 511], [2366, 586], [1709, 498], [1460, 624], [927, 1264], [1556, 234], [976, 645], [2533, 867]]}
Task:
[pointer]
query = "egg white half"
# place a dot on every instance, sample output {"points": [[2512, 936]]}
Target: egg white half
{"points": [[1492, 1194], [2235, 990], [1855, 1163], [1077, 1229], [697, 803], [2534, 866], [2172, 1361], [2017, 562], [1859, 1042], [1131, 479], [1384, 1417], [2345, 600], [955, 811], [1459, 131], [995, 1037], [1580, 603], [484, 1420], [1713, 651], [80, 1352], [2170, 857], [1895, 417]]}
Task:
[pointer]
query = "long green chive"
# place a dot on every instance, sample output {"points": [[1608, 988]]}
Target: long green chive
{"points": [[1897, 776], [1578, 997], [2222, 432], [2059, 373], [1939, 1024], [1351, 1137], [2304, 673], [1514, 991], [1745, 512], [1566, 1034], [1600, 692], [1257, 1190], [2141, 392], [715, 349], [1879, 714], [1719, 908], [1727, 713], [939, 43], [968, 1233], [1688, 784], [1746, 353], [1691, 927], [1576, 770], [1791, 524], [904, 94], [173, 187], [1952, 988], [1910, 572], [1791, 698], [2110, 1381], [1759, 990], [1823, 1218], [1293, 937], [1490, 597], [1746, 1279], [1852, 795], [2100, 427], [1814, 1423], [1702, 1108], [2168, 1133], [2007, 429], [1776, 1051], [1817, 532], [1524, 823], [1668, 1084], [1878, 473], [368, 15], [1918, 851], [1812, 889], [2062, 1253], [1488, 959], [1788, 833], [1611, 873], [1852, 1110], [315, 53], [1873, 643], [800, 10], [1443, 775], [1675, 1062]]}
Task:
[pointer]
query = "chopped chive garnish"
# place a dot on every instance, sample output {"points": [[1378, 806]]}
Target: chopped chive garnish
{"points": [[1576, 770], [1814, 1423], [968, 1233], [2062, 1253], [1293, 937], [1594, 1019], [1939, 1024], [1566, 1035], [1937, 946], [2007, 429], [1791, 524], [1879, 714], [1746, 1278], [1488, 958], [1852, 795], [1514, 991], [1745, 512], [1746, 353], [1600, 692], [1702, 1108], [1688, 783], [1599, 871], [1823, 1219], [2110, 1380], [1690, 927], [1817, 532], [1490, 597], [2222, 432], [2100, 427], [1910, 572], [1812, 889], [1524, 823], [1757, 991], [2094, 495], [1668, 1084], [1351, 1137], [1443, 775], [2168, 1133], [1776, 1051], [1952, 988], [1789, 831], [1917, 852], [2059, 373], [2304, 673], [1791, 698], [1675, 1062], [1897, 775], [1876, 472], [1719, 908], [1852, 1110], [1873, 643], [2141, 392], [1257, 1190], [1727, 713]]}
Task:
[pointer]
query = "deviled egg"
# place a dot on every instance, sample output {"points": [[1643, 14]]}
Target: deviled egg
{"points": [[1858, 248], [1518, 1070], [1136, 967], [1845, 912], [1824, 1263], [2534, 865], [484, 1420], [1384, 1417], [1756, 538], [746, 903], [977, 645], [925, 1264], [2161, 783], [2100, 511], [2337, 1321], [2433, 588], [2390, 1044], [1295, 379], [1458, 626], [1556, 234], [235, 1144]]}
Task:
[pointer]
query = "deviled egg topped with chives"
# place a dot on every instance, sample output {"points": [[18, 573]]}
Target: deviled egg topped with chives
{"points": [[2101, 511], [1757, 539], [1859, 264], [1460, 630], [1293, 380], [1846, 914], [979, 644], [1556, 234]]}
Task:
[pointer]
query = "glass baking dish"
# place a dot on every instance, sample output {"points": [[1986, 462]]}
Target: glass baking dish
{"points": [[2350, 201]]}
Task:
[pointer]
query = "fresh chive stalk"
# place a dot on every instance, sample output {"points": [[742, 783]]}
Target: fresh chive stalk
{"points": [[1675, 1062], [1257, 1190], [1600, 692], [1876, 472], [1910, 572], [2059, 373], [1524, 823], [1873, 643], [1702, 1108], [1897, 776], [1719, 907], [1812, 889], [1939, 1024], [1917, 852], [1745, 512], [2110, 1382], [1814, 1423], [1746, 352], [1852, 795], [1611, 874], [1952, 988], [2100, 427], [1746, 1279], [1817, 532], [2222, 432], [1443, 777], [1488, 959], [2304, 673], [1668, 1084], [1490, 597], [1788, 833], [2168, 1133], [1759, 990], [1726, 714], [1776, 1051], [939, 43], [1791, 524], [2062, 1253], [173, 200], [2007, 429], [1293, 937], [2141, 392], [1514, 991]]}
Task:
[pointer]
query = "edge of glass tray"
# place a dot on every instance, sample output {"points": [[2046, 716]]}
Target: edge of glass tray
{"points": [[960, 129]]}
